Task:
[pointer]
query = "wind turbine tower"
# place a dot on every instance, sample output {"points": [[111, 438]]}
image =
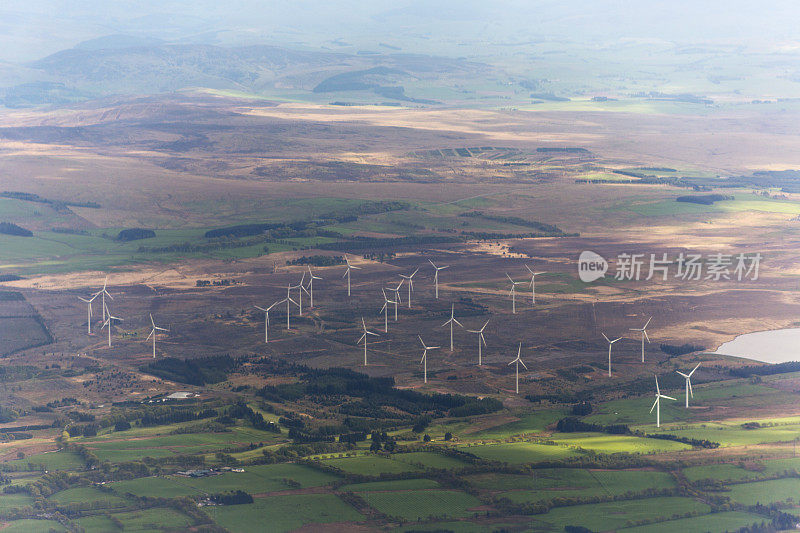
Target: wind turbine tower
{"points": [[410, 279], [610, 343], [452, 320], [364, 338], [644, 334], [657, 404], [266, 319], [688, 378], [347, 272], [533, 284], [424, 360], [154, 333], [481, 339], [436, 276], [514, 293], [518, 361]]}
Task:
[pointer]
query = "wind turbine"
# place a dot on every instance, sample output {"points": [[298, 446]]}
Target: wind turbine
{"points": [[452, 320], [436, 276], [424, 360], [644, 334], [514, 293], [288, 301], [481, 339], [88, 311], [347, 272], [364, 338], [300, 288], [410, 280], [610, 342], [153, 334], [519, 362], [385, 311], [108, 324], [103, 293], [688, 378], [533, 284], [657, 404], [311, 279], [266, 319], [396, 291]]}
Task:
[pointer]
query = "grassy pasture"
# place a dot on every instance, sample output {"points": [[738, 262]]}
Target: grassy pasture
{"points": [[156, 487], [729, 521], [735, 472], [615, 515], [32, 526], [96, 524], [400, 484], [80, 495], [60, 460], [285, 513], [528, 423], [429, 459], [371, 465], [14, 501], [765, 492], [422, 504], [520, 452], [617, 443], [156, 519]]}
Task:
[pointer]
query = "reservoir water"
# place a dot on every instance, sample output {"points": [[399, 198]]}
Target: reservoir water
{"points": [[775, 346]]}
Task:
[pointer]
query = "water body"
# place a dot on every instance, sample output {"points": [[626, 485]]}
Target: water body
{"points": [[775, 346]]}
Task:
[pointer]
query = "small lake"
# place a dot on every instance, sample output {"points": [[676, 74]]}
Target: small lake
{"points": [[776, 346]]}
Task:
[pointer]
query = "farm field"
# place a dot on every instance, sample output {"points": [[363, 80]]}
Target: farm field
{"points": [[423, 503], [519, 452], [286, 513]]}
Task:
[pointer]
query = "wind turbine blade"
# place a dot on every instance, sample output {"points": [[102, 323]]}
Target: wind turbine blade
{"points": [[421, 341], [647, 323], [361, 338], [152, 321], [443, 325], [646, 336], [373, 334], [434, 347], [509, 278], [667, 397], [484, 340], [695, 368], [260, 308], [161, 329], [691, 392], [529, 269], [152, 332], [363, 324], [617, 339], [442, 268], [485, 324], [512, 362], [606, 338], [412, 275], [523, 364], [346, 271], [654, 405], [423, 358], [682, 374], [434, 264], [658, 391]]}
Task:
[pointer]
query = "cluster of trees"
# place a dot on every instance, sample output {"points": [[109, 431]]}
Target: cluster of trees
{"points": [[199, 371], [9, 228], [671, 349], [515, 221], [216, 283], [57, 204], [765, 370], [169, 415], [241, 410], [318, 260], [234, 497], [575, 425], [364, 243], [704, 199], [698, 443], [135, 234]]}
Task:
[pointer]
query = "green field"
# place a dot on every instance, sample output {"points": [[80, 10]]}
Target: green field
{"points": [[371, 465], [400, 484], [528, 423], [11, 501], [520, 452], [615, 515], [429, 460], [156, 519], [766, 492], [255, 479], [730, 521], [87, 495], [285, 513], [423, 504], [33, 526], [50, 461], [617, 443]]}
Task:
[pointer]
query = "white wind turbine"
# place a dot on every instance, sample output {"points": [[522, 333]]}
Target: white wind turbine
{"points": [[533, 284], [519, 362], [436, 276], [410, 280], [103, 293], [644, 334], [514, 293], [610, 343], [289, 302], [347, 272], [657, 404], [108, 323], [266, 318], [397, 300], [452, 320], [481, 339], [300, 288], [88, 311], [688, 378], [311, 279], [424, 360], [364, 338], [385, 311], [153, 334]]}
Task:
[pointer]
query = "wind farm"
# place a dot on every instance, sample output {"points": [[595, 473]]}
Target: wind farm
{"points": [[624, 209]]}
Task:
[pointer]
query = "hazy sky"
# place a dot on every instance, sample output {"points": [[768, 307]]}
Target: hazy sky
{"points": [[30, 29]]}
